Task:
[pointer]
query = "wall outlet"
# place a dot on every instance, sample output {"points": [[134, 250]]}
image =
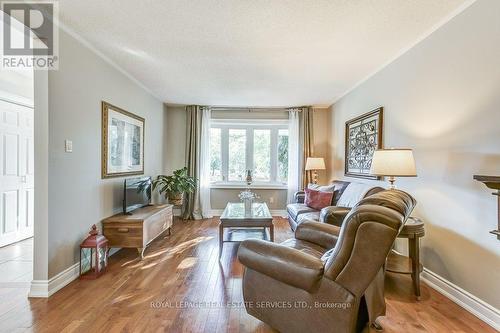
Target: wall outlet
{"points": [[68, 146], [271, 200]]}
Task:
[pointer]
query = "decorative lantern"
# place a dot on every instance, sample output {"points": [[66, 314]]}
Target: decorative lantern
{"points": [[93, 255]]}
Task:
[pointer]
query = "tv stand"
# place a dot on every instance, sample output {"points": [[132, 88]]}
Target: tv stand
{"points": [[138, 228]]}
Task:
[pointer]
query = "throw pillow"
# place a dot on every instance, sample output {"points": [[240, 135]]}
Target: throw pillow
{"points": [[317, 199], [324, 188]]}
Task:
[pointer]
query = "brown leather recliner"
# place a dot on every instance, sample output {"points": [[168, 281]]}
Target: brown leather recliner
{"points": [[327, 279]]}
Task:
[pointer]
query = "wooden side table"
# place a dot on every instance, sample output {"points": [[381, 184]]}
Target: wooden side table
{"points": [[413, 230]]}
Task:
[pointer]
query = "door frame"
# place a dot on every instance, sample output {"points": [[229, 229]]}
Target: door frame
{"points": [[40, 284]]}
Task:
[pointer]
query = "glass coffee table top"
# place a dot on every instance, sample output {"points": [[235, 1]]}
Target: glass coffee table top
{"points": [[236, 210], [236, 226]]}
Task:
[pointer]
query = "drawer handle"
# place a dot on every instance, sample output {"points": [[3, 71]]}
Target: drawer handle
{"points": [[122, 229]]}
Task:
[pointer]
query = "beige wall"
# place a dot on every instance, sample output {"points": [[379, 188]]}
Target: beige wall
{"points": [[78, 197], [176, 133], [176, 137], [321, 126], [275, 199], [442, 99]]}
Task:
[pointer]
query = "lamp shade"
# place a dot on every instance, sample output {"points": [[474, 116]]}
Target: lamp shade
{"points": [[393, 162], [315, 163]]}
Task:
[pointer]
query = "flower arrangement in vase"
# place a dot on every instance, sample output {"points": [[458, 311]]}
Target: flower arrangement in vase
{"points": [[247, 197]]}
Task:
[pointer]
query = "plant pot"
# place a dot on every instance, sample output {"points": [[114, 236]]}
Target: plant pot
{"points": [[176, 199]]}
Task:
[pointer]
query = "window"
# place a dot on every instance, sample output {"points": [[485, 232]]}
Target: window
{"points": [[237, 153], [215, 155], [283, 155], [262, 155], [261, 146]]}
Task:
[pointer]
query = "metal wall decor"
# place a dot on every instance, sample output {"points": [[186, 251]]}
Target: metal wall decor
{"points": [[363, 135]]}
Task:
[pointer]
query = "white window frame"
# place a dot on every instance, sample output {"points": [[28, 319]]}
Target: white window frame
{"points": [[274, 125]]}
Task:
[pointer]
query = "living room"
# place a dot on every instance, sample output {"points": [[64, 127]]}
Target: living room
{"points": [[250, 166]]}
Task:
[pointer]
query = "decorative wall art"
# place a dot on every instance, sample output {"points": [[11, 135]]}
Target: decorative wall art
{"points": [[122, 142], [363, 135]]}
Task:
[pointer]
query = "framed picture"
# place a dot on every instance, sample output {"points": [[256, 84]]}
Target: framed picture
{"points": [[363, 135], [122, 142]]}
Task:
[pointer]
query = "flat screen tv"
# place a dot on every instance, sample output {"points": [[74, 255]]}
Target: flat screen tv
{"points": [[133, 197]]}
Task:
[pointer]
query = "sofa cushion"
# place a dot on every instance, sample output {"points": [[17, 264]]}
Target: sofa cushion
{"points": [[305, 247], [353, 194], [318, 199], [310, 216], [296, 209], [340, 187]]}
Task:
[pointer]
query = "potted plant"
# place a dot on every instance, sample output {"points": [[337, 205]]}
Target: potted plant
{"points": [[173, 187]]}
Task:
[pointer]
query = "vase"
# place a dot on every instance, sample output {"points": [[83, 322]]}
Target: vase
{"points": [[248, 178], [176, 199], [248, 207]]}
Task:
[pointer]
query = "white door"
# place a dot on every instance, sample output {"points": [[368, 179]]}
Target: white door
{"points": [[16, 172]]}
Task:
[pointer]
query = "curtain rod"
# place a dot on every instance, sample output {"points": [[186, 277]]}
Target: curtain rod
{"points": [[215, 108]]}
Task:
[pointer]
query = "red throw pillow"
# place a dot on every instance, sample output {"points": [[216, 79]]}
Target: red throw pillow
{"points": [[318, 199]]}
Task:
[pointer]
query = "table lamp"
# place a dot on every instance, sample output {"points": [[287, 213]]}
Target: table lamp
{"points": [[315, 164], [393, 163]]}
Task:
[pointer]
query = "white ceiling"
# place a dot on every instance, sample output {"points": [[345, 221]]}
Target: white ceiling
{"points": [[253, 52]]}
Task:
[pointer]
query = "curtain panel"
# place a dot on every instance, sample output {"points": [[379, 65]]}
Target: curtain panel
{"points": [[293, 155], [197, 145], [306, 143]]}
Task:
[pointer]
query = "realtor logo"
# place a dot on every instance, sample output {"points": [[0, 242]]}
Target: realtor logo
{"points": [[30, 37]]}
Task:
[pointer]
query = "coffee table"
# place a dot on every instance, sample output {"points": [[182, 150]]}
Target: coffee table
{"points": [[244, 226]]}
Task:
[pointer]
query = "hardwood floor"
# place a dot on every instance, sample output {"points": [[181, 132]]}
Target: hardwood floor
{"points": [[160, 294], [16, 264]]}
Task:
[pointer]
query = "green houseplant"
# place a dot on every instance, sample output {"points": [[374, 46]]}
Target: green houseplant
{"points": [[173, 187]]}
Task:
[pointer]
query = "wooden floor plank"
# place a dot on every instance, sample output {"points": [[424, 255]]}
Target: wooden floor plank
{"points": [[164, 293]]}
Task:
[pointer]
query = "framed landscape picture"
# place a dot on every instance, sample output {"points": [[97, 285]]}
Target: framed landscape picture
{"points": [[122, 142], [363, 135]]}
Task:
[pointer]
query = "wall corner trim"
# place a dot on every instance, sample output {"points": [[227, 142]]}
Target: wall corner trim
{"points": [[479, 308], [46, 288]]}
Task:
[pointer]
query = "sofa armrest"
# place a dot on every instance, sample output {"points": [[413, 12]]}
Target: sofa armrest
{"points": [[334, 215], [322, 234], [299, 196], [282, 263]]}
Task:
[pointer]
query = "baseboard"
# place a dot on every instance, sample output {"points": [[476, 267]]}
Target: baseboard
{"points": [[274, 212], [484, 311], [46, 288]]}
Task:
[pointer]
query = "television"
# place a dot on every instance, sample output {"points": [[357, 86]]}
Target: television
{"points": [[133, 197]]}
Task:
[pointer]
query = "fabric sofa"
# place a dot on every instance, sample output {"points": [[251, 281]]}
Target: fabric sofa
{"points": [[326, 279], [299, 211]]}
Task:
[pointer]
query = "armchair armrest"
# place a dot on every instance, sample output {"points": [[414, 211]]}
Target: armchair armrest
{"points": [[324, 235], [282, 263], [334, 215], [299, 196]]}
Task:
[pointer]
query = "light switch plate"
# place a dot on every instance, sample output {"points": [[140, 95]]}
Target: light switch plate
{"points": [[68, 146]]}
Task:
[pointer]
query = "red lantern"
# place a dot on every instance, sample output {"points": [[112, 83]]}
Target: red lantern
{"points": [[93, 255]]}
